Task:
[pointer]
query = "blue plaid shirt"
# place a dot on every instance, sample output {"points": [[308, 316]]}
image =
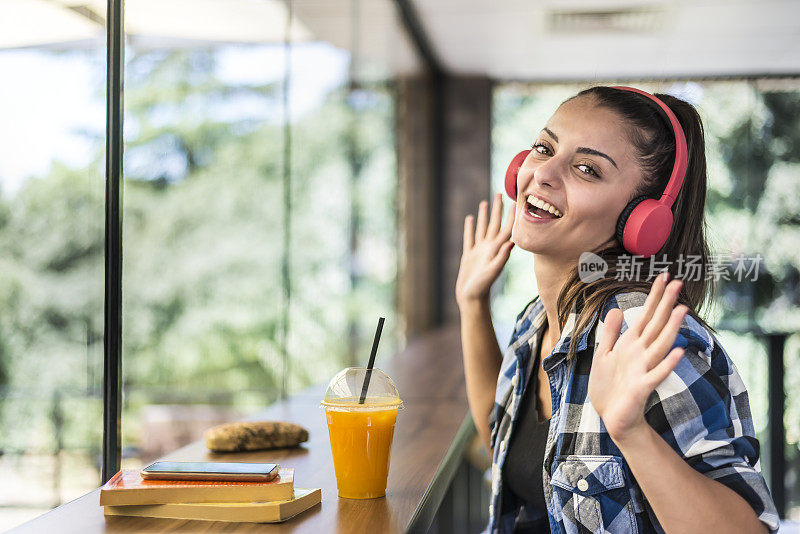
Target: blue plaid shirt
{"points": [[701, 410]]}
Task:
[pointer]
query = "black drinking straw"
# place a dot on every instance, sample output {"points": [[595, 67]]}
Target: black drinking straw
{"points": [[371, 363]]}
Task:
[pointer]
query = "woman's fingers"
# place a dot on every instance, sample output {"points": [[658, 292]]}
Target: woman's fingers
{"points": [[499, 261], [610, 332], [489, 224], [666, 337], [497, 215], [480, 229], [661, 371], [469, 233], [650, 303], [662, 313]]}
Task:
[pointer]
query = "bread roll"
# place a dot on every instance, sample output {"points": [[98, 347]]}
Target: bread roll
{"points": [[253, 436]]}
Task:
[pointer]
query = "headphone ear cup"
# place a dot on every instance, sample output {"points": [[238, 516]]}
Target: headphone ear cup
{"points": [[512, 171], [623, 217], [644, 226]]}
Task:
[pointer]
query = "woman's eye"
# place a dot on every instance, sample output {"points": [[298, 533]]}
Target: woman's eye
{"points": [[542, 149], [587, 169]]}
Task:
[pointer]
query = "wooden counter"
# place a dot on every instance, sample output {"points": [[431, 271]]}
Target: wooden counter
{"points": [[431, 434]]}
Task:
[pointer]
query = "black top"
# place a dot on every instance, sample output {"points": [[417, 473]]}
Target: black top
{"points": [[524, 462]]}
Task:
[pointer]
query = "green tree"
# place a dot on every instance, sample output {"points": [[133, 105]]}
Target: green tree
{"points": [[203, 223]]}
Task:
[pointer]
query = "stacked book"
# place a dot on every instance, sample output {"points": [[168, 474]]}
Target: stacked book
{"points": [[127, 493]]}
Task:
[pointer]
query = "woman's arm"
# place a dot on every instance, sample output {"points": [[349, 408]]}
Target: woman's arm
{"points": [[625, 371], [683, 499], [486, 251], [482, 358]]}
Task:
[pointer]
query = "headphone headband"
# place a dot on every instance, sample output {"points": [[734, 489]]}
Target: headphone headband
{"points": [[681, 150]]}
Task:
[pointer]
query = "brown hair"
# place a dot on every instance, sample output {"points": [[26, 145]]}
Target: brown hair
{"points": [[654, 143]]}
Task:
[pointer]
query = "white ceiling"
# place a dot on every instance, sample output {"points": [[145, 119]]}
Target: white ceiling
{"points": [[606, 39], [535, 40], [31, 23], [369, 30]]}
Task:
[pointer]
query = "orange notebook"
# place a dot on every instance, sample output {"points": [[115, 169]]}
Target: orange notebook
{"points": [[128, 487]]}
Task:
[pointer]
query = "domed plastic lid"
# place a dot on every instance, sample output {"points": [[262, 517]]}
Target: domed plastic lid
{"points": [[344, 391]]}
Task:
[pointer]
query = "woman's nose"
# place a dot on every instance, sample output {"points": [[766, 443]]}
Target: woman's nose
{"points": [[548, 173]]}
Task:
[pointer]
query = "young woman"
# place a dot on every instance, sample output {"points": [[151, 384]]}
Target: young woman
{"points": [[613, 409]]}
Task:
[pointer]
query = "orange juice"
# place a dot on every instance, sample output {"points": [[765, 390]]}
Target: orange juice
{"points": [[361, 440]]}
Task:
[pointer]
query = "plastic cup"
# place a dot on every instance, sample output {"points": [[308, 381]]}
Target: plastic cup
{"points": [[361, 434]]}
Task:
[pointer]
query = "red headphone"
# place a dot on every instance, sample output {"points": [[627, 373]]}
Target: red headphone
{"points": [[644, 225]]}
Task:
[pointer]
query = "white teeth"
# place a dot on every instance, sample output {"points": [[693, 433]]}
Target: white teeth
{"points": [[541, 204]]}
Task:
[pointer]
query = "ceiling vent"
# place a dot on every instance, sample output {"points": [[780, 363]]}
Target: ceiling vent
{"points": [[637, 19]]}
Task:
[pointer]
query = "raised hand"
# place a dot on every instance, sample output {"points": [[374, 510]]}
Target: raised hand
{"points": [[486, 250], [625, 370]]}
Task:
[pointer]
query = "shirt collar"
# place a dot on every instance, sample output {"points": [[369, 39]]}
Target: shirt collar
{"points": [[562, 345], [536, 319]]}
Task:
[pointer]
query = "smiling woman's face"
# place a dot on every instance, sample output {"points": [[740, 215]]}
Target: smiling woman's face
{"points": [[584, 165]]}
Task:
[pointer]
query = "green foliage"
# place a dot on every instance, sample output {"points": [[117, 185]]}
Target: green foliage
{"points": [[51, 292], [203, 231], [762, 154]]}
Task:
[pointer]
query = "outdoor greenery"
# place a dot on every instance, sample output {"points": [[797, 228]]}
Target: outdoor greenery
{"points": [[203, 291]]}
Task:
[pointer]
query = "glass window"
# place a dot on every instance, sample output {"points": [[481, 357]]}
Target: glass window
{"points": [[260, 221], [260, 224], [52, 104]]}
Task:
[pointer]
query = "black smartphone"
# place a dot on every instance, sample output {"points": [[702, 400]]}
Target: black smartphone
{"points": [[226, 471]]}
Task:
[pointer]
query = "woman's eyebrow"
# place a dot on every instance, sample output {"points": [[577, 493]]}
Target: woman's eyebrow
{"points": [[593, 152], [550, 133], [583, 149]]}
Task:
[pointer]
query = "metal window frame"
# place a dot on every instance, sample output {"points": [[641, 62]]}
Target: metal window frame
{"points": [[776, 407], [112, 332]]}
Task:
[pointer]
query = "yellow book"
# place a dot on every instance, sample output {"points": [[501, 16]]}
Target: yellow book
{"points": [[245, 512]]}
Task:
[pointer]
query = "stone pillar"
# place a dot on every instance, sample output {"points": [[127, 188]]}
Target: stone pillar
{"points": [[443, 149], [416, 293], [466, 175]]}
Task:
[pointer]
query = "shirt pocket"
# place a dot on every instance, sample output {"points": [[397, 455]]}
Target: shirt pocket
{"points": [[592, 494]]}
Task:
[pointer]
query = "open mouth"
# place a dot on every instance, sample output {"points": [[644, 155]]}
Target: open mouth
{"points": [[540, 209]]}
